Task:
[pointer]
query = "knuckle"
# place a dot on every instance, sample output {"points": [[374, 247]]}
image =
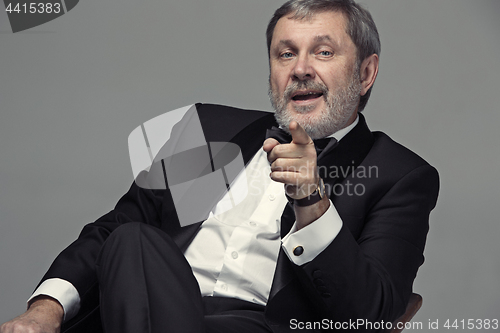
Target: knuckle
{"points": [[275, 167], [19, 327]]}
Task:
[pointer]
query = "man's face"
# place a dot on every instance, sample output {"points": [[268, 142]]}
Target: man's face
{"points": [[314, 78]]}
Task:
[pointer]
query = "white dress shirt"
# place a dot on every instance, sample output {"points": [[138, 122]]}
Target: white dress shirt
{"points": [[234, 253]]}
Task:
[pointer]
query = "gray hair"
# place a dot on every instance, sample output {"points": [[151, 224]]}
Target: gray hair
{"points": [[360, 27]]}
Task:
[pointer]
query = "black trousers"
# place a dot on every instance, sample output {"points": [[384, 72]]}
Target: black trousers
{"points": [[147, 286]]}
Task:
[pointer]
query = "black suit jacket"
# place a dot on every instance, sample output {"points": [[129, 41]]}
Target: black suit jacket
{"points": [[367, 271]]}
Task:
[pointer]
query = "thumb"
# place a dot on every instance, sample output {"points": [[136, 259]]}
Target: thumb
{"points": [[299, 135]]}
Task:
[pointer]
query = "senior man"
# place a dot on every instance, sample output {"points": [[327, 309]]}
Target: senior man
{"points": [[335, 232]]}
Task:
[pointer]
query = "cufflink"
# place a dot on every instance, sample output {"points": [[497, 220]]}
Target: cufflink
{"points": [[298, 250]]}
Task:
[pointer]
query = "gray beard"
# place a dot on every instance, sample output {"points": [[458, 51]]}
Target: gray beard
{"points": [[339, 107]]}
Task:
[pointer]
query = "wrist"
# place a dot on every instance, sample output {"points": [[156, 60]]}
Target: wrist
{"points": [[317, 194], [48, 305], [306, 215]]}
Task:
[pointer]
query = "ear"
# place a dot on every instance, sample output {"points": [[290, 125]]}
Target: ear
{"points": [[368, 73]]}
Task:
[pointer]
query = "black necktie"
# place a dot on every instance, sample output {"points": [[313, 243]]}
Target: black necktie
{"points": [[322, 145]]}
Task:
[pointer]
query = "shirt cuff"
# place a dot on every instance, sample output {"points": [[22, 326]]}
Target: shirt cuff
{"points": [[302, 246], [63, 292]]}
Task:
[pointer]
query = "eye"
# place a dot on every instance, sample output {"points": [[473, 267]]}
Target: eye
{"points": [[286, 55], [325, 53]]}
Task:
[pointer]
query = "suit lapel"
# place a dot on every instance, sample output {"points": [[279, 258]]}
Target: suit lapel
{"points": [[245, 128], [347, 156]]}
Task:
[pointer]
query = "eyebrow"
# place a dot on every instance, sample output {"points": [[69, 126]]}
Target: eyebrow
{"points": [[323, 38], [285, 42]]}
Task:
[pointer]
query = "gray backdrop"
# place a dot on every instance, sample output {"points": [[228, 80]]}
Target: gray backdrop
{"points": [[72, 90]]}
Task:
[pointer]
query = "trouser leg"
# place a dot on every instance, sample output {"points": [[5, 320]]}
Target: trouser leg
{"points": [[147, 284], [230, 315]]}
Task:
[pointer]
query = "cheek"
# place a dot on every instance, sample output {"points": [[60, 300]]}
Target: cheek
{"points": [[278, 80], [333, 75], [275, 84], [333, 80]]}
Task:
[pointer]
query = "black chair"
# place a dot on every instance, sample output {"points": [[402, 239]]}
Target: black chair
{"points": [[411, 309]]}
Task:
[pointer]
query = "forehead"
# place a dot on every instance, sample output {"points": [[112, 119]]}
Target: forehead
{"points": [[330, 24]]}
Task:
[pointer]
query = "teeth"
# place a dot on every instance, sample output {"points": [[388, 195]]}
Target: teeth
{"points": [[303, 95]]}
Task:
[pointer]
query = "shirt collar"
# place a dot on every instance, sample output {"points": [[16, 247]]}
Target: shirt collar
{"points": [[343, 132]]}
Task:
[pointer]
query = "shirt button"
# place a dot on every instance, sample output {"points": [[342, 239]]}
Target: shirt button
{"points": [[272, 197], [234, 254], [223, 287], [253, 224]]}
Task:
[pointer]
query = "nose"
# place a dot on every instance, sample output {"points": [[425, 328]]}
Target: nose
{"points": [[303, 69]]}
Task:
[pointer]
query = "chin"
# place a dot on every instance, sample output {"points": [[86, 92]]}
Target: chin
{"points": [[317, 123]]}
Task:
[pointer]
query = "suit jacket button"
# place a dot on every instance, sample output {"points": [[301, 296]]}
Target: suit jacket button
{"points": [[317, 274], [322, 289], [298, 250], [319, 282], [326, 295]]}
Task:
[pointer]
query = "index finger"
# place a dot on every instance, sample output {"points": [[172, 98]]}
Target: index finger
{"points": [[299, 135]]}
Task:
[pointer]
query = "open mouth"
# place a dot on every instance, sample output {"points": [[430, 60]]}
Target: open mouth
{"points": [[306, 95]]}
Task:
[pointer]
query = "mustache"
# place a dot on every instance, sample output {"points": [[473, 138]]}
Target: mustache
{"points": [[304, 85]]}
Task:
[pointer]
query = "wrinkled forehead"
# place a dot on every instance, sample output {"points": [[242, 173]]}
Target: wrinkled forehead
{"points": [[316, 27], [310, 15]]}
